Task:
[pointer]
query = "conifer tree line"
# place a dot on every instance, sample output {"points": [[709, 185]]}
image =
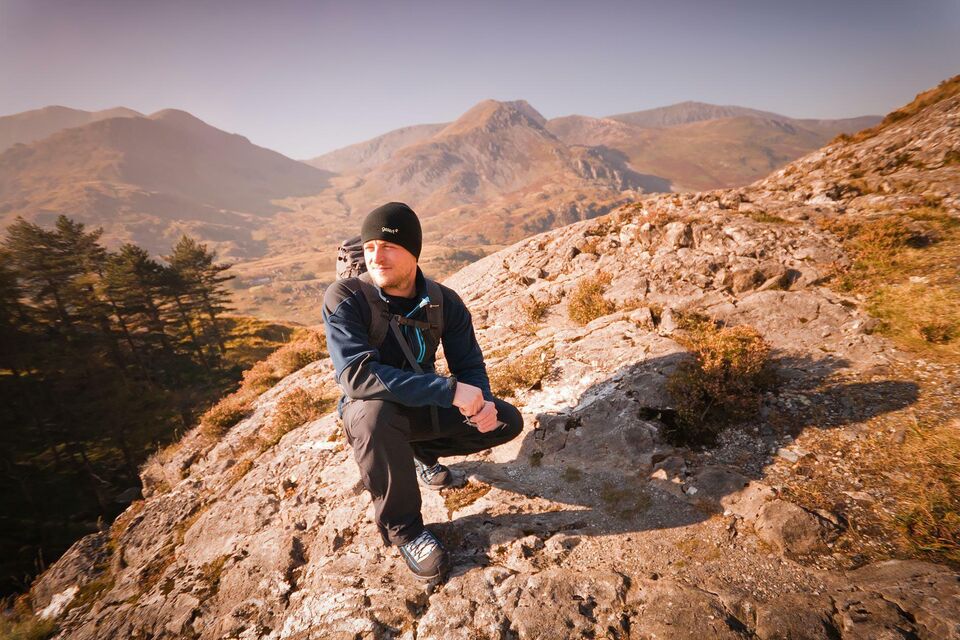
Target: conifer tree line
{"points": [[103, 353]]}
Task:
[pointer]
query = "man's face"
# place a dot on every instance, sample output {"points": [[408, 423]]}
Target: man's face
{"points": [[389, 264]]}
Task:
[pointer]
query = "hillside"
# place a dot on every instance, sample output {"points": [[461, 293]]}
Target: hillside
{"points": [[366, 155], [150, 179], [502, 172], [697, 146], [823, 510], [499, 173], [30, 126]]}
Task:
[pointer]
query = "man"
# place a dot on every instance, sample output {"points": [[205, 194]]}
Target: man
{"points": [[400, 422]]}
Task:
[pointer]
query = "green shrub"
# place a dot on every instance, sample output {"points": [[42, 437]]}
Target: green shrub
{"points": [[721, 384], [587, 303]]}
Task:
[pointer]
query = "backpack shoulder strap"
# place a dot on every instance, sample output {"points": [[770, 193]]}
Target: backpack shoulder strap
{"points": [[435, 309], [379, 315]]}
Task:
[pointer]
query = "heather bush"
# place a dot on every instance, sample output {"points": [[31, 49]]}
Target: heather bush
{"points": [[721, 384]]}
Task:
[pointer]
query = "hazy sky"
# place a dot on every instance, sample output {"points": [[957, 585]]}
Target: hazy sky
{"points": [[307, 77]]}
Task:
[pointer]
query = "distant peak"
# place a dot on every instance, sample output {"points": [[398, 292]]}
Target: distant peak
{"points": [[175, 115], [494, 114]]}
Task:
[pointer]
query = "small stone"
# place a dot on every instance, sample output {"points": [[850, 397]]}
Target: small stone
{"points": [[788, 455]]}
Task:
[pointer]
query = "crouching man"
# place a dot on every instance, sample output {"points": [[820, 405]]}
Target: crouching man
{"points": [[400, 417]]}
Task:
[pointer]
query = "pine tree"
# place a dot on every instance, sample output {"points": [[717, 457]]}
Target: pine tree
{"points": [[14, 321], [133, 282], [33, 253], [202, 278]]}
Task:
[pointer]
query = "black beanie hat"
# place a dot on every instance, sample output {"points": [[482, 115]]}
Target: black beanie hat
{"points": [[394, 222]]}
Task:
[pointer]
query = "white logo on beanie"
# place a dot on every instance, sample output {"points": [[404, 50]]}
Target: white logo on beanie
{"points": [[388, 230]]}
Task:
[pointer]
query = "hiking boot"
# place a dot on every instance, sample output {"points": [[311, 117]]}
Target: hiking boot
{"points": [[435, 477], [425, 556]]}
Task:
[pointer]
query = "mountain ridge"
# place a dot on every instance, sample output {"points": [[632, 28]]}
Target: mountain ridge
{"points": [[497, 174]]}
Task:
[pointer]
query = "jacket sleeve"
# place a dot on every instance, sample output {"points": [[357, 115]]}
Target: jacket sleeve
{"points": [[460, 346], [357, 365]]}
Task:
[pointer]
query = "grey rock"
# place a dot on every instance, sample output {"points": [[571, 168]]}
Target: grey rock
{"points": [[678, 234], [792, 529], [746, 279], [583, 604], [796, 617]]}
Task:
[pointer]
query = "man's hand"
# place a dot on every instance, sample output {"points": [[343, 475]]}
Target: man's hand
{"points": [[468, 398], [486, 418]]}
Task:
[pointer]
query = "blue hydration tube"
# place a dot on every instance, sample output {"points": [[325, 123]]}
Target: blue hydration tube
{"points": [[420, 342]]}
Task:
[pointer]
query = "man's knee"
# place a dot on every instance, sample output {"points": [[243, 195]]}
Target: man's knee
{"points": [[370, 419]]}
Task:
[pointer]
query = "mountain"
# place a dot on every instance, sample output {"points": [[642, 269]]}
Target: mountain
{"points": [[491, 177], [498, 173], [493, 149], [823, 509], [150, 179], [366, 155], [30, 126], [702, 146], [501, 172], [687, 113]]}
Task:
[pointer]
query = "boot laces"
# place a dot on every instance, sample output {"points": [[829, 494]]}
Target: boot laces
{"points": [[422, 546], [428, 473]]}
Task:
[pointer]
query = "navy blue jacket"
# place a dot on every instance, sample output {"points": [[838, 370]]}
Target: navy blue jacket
{"points": [[365, 372]]}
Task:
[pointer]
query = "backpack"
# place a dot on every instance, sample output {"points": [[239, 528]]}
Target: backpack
{"points": [[351, 265]]}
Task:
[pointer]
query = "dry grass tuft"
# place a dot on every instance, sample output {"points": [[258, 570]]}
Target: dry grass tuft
{"points": [[587, 303], [458, 498], [294, 409], [534, 310], [904, 268], [238, 471], [929, 517], [219, 418], [521, 374], [305, 347], [767, 218]]}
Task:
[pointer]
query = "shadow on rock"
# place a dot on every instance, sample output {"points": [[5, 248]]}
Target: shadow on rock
{"points": [[607, 460]]}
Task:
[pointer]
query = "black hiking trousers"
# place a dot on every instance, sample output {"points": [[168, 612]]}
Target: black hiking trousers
{"points": [[386, 436]]}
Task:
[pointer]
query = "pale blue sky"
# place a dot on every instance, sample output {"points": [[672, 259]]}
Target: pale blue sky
{"points": [[304, 78]]}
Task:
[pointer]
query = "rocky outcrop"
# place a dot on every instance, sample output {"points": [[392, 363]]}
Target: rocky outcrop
{"points": [[591, 524]]}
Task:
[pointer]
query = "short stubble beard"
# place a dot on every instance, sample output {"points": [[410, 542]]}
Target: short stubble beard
{"points": [[395, 281]]}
